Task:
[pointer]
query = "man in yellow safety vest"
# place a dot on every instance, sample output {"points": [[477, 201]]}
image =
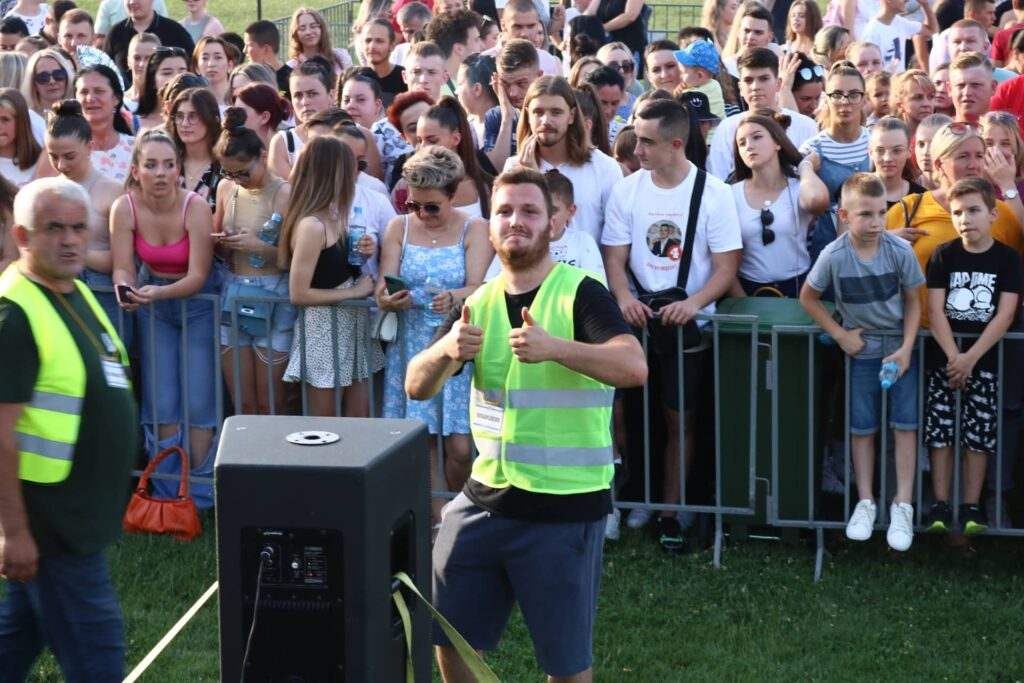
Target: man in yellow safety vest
{"points": [[548, 345], [68, 433]]}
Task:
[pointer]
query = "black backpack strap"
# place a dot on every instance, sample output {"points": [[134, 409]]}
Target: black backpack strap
{"points": [[691, 228]]}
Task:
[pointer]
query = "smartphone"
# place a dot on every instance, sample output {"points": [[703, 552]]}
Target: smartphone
{"points": [[121, 292], [395, 284]]}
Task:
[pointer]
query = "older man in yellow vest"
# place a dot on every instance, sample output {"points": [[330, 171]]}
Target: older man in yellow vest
{"points": [[68, 433], [548, 345]]}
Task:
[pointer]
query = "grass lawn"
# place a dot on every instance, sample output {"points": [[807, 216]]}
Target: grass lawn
{"points": [[929, 615]]}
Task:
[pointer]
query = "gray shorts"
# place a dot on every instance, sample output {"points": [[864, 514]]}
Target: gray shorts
{"points": [[484, 563]]}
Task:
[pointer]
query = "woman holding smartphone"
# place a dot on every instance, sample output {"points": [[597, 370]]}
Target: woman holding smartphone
{"points": [[249, 198], [167, 229], [331, 348], [431, 259]]}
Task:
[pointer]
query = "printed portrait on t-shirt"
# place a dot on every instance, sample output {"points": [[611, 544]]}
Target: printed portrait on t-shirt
{"points": [[970, 296], [664, 239]]}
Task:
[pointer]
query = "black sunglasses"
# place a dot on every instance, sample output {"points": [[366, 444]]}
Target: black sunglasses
{"points": [[622, 67], [173, 51], [44, 77], [767, 234], [429, 208]]}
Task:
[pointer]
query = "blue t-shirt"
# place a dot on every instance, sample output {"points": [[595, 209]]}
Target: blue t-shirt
{"points": [[492, 124]]}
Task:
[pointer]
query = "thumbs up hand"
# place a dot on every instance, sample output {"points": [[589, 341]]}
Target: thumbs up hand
{"points": [[531, 343], [463, 341]]}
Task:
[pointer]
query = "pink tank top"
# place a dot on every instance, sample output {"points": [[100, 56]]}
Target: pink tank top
{"points": [[162, 258]]}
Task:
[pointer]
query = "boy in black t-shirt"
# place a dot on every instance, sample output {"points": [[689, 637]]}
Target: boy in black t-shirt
{"points": [[974, 285]]}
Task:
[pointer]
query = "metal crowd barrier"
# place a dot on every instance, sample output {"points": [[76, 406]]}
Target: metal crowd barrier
{"points": [[816, 452]]}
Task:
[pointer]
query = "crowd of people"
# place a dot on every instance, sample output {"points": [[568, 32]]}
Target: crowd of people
{"points": [[760, 152]]}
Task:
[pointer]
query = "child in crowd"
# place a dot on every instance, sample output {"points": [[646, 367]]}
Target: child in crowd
{"points": [[867, 57], [974, 287], [876, 94], [700, 64], [568, 245], [922, 156], [875, 277], [199, 23], [890, 31], [624, 151]]}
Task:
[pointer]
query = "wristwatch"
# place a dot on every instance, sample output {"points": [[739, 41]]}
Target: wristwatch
{"points": [[1011, 193]]}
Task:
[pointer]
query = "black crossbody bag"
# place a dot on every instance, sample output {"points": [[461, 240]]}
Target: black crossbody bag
{"points": [[663, 336]]}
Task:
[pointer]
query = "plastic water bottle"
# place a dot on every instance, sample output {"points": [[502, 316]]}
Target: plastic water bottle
{"points": [[356, 230], [889, 374], [268, 234], [432, 287]]}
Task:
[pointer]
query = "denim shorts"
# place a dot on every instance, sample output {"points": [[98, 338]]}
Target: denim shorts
{"points": [[282, 320], [179, 348], [866, 397], [484, 563]]}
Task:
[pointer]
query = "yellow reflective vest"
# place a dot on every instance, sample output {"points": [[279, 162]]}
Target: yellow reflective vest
{"points": [[540, 427], [47, 430]]}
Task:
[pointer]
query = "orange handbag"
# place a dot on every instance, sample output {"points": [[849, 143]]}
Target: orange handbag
{"points": [[175, 516]]}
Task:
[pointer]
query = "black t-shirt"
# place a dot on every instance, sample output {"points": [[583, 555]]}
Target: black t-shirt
{"points": [[973, 284], [82, 514], [170, 33], [596, 319], [392, 84], [913, 188], [283, 74], [633, 34]]}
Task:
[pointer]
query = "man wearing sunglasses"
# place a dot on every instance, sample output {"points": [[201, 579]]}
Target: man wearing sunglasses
{"points": [[759, 88], [550, 344], [142, 18]]}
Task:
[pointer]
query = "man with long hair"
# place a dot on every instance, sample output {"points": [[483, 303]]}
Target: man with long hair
{"points": [[552, 135]]}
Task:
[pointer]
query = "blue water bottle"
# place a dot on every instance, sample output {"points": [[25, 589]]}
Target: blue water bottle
{"points": [[356, 230], [268, 234], [889, 374]]}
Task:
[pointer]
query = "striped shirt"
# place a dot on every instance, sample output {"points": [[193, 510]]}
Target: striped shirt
{"points": [[848, 153]]}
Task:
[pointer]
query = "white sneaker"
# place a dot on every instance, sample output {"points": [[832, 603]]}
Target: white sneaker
{"points": [[611, 525], [901, 526], [862, 521], [638, 518]]}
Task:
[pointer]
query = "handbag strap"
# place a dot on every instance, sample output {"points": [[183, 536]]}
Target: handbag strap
{"points": [[691, 229], [908, 216], [143, 485]]}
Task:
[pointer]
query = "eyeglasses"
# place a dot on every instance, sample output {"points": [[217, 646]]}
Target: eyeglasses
{"points": [[809, 72], [853, 97], [962, 127], [767, 218], [622, 67], [57, 75], [186, 117], [244, 174], [429, 208], [169, 51]]}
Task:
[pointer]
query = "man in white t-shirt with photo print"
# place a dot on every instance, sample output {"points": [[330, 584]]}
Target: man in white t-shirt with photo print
{"points": [[645, 243]]}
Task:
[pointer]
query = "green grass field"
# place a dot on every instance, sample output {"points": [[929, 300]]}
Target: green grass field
{"points": [[933, 614]]}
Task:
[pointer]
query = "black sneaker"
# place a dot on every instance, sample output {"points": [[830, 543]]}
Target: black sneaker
{"points": [[939, 519], [670, 535], [974, 519]]}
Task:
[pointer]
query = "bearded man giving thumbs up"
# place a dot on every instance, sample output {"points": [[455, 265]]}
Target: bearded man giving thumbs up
{"points": [[549, 344]]}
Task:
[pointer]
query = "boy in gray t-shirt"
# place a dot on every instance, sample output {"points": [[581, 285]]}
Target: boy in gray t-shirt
{"points": [[875, 276]]}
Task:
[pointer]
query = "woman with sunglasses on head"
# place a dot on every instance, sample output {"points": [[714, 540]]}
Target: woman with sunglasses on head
{"points": [[213, 58], [48, 80], [434, 257], [68, 142], [99, 91], [803, 83], [312, 85], [777, 196], [309, 36], [248, 198], [889, 148], [195, 126], [331, 350], [475, 92], [164, 64], [19, 151], [166, 229]]}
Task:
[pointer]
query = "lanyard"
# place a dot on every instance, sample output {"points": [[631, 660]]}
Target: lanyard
{"points": [[85, 328]]}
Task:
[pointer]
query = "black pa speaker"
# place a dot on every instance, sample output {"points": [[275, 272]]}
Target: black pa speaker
{"points": [[332, 508]]}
